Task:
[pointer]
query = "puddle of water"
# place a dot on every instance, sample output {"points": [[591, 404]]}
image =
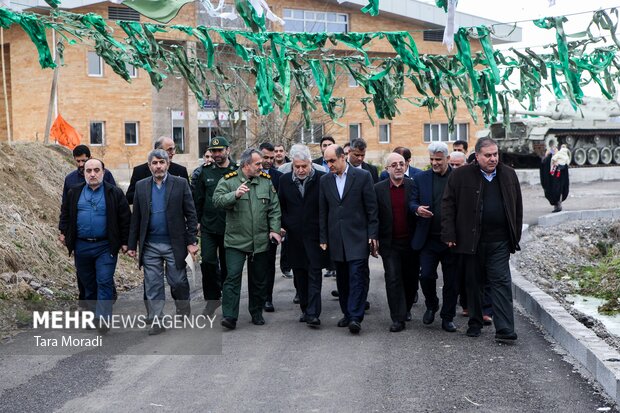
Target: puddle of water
{"points": [[590, 305]]}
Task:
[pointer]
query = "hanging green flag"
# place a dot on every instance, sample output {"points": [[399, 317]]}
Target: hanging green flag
{"points": [[159, 10]]}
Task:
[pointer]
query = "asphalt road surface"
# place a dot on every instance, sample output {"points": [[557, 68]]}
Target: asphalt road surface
{"points": [[287, 366]]}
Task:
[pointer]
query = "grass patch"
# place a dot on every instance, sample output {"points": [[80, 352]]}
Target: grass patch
{"points": [[602, 280]]}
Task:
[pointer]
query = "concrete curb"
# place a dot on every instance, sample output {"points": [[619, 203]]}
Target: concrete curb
{"points": [[560, 217], [581, 175], [598, 357]]}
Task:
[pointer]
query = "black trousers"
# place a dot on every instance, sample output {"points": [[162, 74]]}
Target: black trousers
{"points": [[353, 280], [308, 283], [402, 270], [487, 304], [284, 267], [433, 253], [271, 270], [212, 249], [491, 264]]}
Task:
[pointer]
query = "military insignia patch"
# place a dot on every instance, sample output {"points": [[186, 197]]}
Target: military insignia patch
{"points": [[230, 175], [265, 175]]}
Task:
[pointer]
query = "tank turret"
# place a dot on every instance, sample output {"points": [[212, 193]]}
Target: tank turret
{"points": [[592, 132]]}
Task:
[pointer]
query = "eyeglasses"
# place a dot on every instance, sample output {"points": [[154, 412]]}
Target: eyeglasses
{"points": [[397, 165]]}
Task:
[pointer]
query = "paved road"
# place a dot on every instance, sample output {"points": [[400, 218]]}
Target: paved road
{"points": [[286, 366]]}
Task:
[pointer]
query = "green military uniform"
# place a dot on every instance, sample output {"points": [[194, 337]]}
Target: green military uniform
{"points": [[212, 224], [249, 220]]}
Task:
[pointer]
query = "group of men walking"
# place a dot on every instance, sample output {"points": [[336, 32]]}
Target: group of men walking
{"points": [[334, 212]]}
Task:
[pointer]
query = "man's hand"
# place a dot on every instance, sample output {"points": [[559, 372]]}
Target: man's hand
{"points": [[451, 244], [323, 247], [124, 249], [282, 232], [192, 249], [424, 212], [243, 188], [275, 236], [131, 253], [374, 247], [61, 238]]}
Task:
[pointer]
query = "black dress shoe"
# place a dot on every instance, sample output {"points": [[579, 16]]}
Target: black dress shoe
{"points": [[429, 316], [408, 316], [229, 323], [302, 318], [343, 322], [448, 326], [296, 299], [397, 326], [355, 327], [335, 293], [268, 307], [258, 320], [313, 321], [156, 329], [366, 306], [473, 332], [505, 336], [210, 308]]}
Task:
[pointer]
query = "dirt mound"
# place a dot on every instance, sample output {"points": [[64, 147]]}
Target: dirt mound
{"points": [[34, 266]]}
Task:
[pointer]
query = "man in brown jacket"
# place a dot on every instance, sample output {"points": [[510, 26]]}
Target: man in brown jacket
{"points": [[482, 215]]}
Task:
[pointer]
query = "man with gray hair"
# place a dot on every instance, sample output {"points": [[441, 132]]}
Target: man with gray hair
{"points": [[252, 223], [163, 226], [425, 203], [143, 170], [299, 202], [457, 159]]}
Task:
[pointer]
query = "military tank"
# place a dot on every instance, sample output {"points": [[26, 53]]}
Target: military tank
{"points": [[591, 133]]}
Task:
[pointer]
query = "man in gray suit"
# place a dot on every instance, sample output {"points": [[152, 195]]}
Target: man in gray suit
{"points": [[164, 224], [349, 228]]}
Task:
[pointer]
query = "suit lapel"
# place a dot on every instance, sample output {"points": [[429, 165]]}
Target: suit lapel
{"points": [[169, 185], [349, 182]]}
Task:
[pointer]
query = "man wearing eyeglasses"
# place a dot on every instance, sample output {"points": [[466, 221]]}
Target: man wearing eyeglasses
{"points": [[396, 227], [142, 171]]}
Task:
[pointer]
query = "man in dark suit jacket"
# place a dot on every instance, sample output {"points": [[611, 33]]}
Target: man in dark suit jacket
{"points": [[299, 202], [410, 171], [268, 151], [325, 142], [425, 203], [356, 158], [396, 226], [349, 229], [142, 171], [164, 226]]}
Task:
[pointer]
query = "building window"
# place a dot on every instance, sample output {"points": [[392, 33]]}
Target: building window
{"points": [[312, 135], [438, 132], [131, 133], [384, 133], [178, 135], [97, 133], [298, 21], [133, 71], [355, 131], [95, 65], [123, 13], [433, 35]]}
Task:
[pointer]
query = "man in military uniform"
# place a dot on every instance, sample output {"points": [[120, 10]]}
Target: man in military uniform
{"points": [[212, 223], [252, 222]]}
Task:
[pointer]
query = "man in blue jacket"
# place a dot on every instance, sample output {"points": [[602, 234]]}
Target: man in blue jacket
{"points": [[425, 203]]}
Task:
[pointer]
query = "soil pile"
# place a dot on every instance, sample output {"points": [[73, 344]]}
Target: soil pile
{"points": [[580, 257], [35, 268]]}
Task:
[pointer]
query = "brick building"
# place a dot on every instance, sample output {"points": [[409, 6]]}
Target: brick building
{"points": [[119, 120]]}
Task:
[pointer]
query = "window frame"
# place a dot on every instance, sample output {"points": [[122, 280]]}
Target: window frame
{"points": [[389, 132], [133, 71], [101, 65], [90, 136], [359, 131], [306, 19], [137, 125], [452, 137]]}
